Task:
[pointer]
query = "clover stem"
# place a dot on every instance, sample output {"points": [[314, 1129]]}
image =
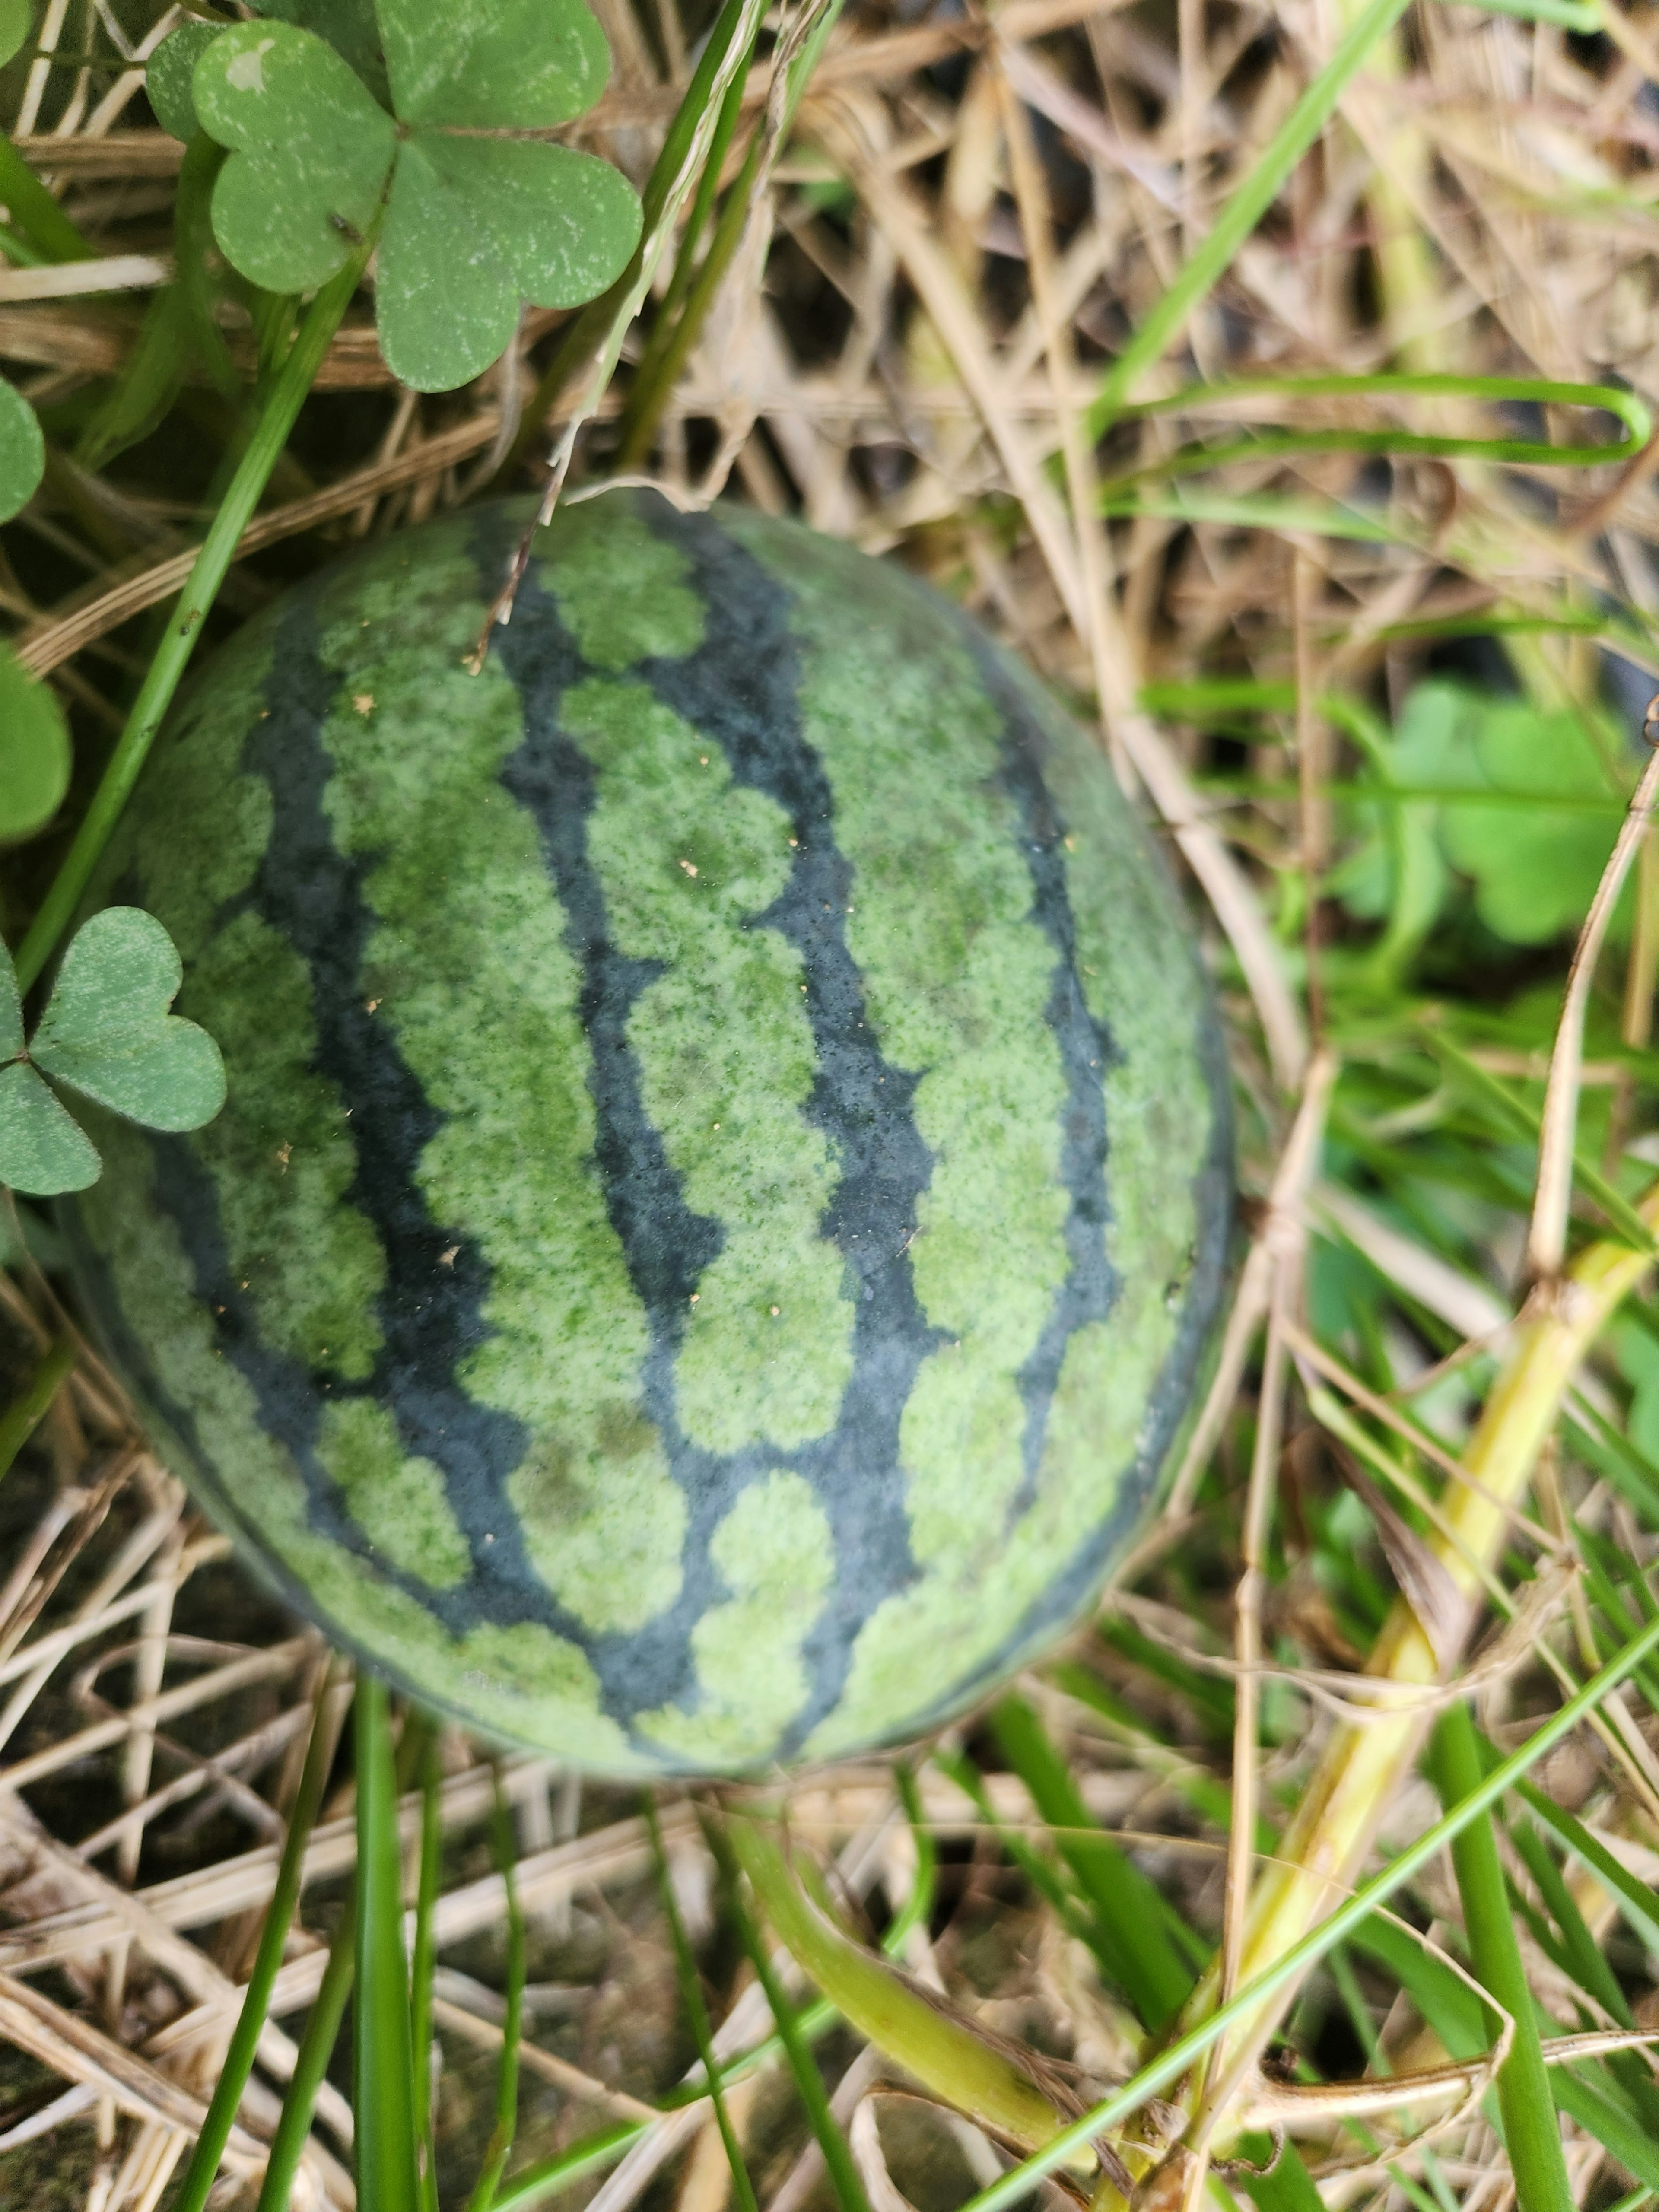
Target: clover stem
{"points": [[286, 396]]}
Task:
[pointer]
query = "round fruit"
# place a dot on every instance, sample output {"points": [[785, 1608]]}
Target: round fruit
{"points": [[725, 1173]]}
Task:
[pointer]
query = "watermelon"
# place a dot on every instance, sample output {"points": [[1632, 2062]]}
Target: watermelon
{"points": [[725, 1175]]}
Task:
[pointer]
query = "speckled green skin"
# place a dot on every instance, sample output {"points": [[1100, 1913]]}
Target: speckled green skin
{"points": [[725, 1178]]}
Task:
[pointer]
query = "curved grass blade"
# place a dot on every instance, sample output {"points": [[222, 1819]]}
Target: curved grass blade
{"points": [[837, 2155], [245, 2039], [685, 1968], [941, 2050], [382, 2072], [507, 2080]]}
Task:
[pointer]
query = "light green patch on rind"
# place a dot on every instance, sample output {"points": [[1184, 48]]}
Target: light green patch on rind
{"points": [[280, 1154], [622, 589], [469, 964], [727, 1062], [776, 1554], [399, 1503], [553, 1694], [282, 1158]]}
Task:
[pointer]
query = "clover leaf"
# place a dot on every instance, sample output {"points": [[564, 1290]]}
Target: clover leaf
{"points": [[34, 752], [473, 223], [17, 21], [1535, 867], [168, 72], [106, 1033], [1523, 802], [22, 451], [348, 25]]}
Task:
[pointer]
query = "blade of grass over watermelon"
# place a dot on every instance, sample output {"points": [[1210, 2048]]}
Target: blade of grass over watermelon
{"points": [[1531, 2130], [280, 408], [679, 326], [1128, 1911], [1173, 2062], [200, 2174], [809, 2082], [718, 72], [691, 1987], [25, 1413], [382, 2069]]}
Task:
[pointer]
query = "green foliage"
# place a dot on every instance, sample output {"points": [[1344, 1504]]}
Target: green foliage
{"points": [[348, 25], [34, 751], [168, 72], [16, 19], [107, 1033], [1533, 849], [469, 224], [1532, 2132], [1128, 1916], [382, 2069], [22, 451]]}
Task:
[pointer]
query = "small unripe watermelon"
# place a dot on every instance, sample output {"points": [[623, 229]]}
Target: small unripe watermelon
{"points": [[725, 1179]]}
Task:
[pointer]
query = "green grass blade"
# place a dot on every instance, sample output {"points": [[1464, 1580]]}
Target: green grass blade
{"points": [[422, 1966], [36, 213], [507, 2080], [310, 2066], [809, 2082], [1532, 2132], [685, 1967], [1497, 391], [1587, 2096], [602, 2147], [328, 2010], [1128, 1909], [1255, 195], [1636, 1900], [25, 1415], [256, 2004], [918, 1907], [1583, 1956], [383, 2074]]}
